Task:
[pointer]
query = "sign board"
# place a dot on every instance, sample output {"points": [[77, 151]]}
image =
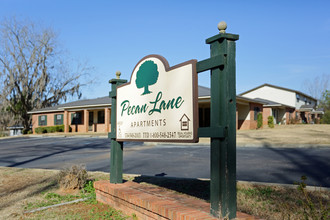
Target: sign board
{"points": [[160, 103]]}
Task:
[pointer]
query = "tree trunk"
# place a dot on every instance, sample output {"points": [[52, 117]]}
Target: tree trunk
{"points": [[146, 90]]}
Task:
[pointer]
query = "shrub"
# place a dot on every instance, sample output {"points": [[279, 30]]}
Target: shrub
{"points": [[311, 209], [271, 121], [59, 128], [50, 129], [40, 130], [74, 177], [259, 120]]}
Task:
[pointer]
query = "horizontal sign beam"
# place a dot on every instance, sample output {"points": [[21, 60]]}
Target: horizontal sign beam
{"points": [[210, 63], [213, 132]]}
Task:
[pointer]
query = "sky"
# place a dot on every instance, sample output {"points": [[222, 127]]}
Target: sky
{"points": [[284, 43]]}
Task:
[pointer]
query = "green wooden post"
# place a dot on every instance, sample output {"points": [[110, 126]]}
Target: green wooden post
{"points": [[223, 114], [116, 157]]}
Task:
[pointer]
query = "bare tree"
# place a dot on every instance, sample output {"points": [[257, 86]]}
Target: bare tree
{"points": [[317, 86], [34, 72]]}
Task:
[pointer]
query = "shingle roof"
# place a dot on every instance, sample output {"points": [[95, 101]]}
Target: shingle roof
{"points": [[271, 103], [80, 103], [307, 106], [238, 97], [202, 92], [278, 87]]}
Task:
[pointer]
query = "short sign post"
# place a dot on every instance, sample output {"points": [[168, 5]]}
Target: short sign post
{"points": [[116, 156], [160, 104]]}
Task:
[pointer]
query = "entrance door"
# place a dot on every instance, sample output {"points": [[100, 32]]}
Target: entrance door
{"points": [[275, 115], [90, 121]]}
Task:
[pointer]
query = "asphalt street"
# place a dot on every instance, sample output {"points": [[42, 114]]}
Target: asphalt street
{"points": [[260, 164]]}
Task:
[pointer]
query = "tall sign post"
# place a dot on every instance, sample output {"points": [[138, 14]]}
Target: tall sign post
{"points": [[223, 121], [223, 113]]}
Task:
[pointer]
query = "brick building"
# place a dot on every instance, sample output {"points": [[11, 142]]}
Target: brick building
{"points": [[93, 115]]}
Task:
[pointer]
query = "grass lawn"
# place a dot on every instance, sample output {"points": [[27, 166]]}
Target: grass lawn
{"points": [[27, 189]]}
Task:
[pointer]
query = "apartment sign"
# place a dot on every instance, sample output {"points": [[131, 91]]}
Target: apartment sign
{"points": [[160, 103]]}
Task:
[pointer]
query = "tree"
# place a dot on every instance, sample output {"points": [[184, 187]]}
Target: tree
{"points": [[325, 104], [147, 75], [34, 71], [317, 86], [325, 100]]}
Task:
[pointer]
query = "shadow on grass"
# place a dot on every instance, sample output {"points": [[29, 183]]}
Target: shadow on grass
{"points": [[192, 187], [50, 183]]}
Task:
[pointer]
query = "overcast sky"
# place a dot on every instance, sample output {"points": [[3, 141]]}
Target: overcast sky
{"points": [[281, 42]]}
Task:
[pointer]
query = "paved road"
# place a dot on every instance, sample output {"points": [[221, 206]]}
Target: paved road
{"points": [[262, 164]]}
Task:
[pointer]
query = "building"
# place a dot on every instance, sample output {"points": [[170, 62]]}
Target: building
{"points": [[93, 115], [285, 105], [15, 130]]}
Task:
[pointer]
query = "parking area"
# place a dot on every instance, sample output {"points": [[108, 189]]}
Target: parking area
{"points": [[261, 164]]}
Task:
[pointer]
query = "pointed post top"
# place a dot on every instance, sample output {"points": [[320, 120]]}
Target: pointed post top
{"points": [[222, 26], [118, 73], [117, 79]]}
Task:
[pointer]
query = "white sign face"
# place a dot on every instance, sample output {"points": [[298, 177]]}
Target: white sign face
{"points": [[159, 103]]}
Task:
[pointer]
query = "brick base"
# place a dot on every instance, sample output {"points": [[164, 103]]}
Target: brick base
{"points": [[152, 202]]}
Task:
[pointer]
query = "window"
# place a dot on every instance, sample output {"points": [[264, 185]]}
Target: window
{"points": [[58, 119], [256, 111], [42, 120], [100, 117], [76, 118], [298, 97]]}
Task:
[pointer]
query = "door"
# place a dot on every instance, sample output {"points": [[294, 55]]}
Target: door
{"points": [[90, 121]]}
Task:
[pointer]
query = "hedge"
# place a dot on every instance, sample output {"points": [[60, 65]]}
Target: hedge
{"points": [[49, 129]]}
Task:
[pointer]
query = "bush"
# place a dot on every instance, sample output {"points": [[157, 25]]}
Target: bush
{"points": [[74, 177], [271, 121], [259, 120], [49, 129]]}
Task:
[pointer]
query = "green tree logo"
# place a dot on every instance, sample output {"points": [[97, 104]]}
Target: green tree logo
{"points": [[146, 76]]}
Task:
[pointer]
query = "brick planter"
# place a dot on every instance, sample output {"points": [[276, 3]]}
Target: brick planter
{"points": [[152, 202]]}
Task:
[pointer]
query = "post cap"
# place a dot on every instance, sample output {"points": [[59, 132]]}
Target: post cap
{"points": [[222, 26], [118, 73]]}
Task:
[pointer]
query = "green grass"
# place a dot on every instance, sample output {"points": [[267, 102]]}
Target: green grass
{"points": [[89, 209]]}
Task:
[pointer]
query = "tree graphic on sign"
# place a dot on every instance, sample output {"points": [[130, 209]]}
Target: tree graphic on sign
{"points": [[147, 75]]}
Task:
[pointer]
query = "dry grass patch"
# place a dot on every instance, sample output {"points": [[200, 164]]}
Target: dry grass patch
{"points": [[264, 201], [278, 202], [27, 189], [286, 135]]}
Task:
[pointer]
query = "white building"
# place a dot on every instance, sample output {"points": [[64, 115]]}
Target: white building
{"points": [[294, 104]]}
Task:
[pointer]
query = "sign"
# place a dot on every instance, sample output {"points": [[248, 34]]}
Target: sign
{"points": [[160, 103]]}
